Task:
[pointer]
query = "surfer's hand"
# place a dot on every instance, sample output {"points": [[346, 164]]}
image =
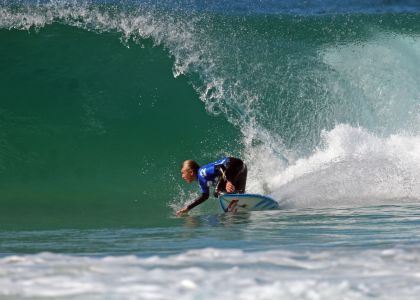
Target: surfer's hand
{"points": [[182, 211], [230, 188]]}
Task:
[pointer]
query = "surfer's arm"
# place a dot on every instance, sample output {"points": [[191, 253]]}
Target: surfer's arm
{"points": [[199, 200]]}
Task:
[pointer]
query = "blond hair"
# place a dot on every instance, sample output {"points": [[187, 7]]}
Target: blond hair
{"points": [[191, 165]]}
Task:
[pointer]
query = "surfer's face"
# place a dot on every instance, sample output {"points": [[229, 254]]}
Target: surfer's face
{"points": [[188, 174]]}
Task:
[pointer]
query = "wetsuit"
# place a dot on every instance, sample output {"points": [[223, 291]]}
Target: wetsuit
{"points": [[217, 174]]}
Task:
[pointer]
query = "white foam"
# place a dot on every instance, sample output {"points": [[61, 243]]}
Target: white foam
{"points": [[352, 166], [222, 273]]}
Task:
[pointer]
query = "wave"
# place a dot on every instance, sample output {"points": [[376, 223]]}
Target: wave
{"points": [[298, 95]]}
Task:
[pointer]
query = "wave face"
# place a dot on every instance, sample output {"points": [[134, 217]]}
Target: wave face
{"points": [[101, 102]]}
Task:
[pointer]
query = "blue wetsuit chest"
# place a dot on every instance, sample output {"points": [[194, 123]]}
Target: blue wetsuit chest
{"points": [[208, 175]]}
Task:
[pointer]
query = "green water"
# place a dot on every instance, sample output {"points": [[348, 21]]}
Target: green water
{"points": [[95, 131]]}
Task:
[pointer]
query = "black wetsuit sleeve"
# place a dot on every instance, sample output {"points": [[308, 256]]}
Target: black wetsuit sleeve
{"points": [[198, 201]]}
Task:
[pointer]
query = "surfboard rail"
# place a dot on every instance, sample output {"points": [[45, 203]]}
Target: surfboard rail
{"points": [[246, 202]]}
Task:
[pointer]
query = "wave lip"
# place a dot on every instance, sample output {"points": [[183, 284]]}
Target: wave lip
{"points": [[313, 7]]}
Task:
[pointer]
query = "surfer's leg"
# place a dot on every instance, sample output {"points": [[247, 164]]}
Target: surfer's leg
{"points": [[240, 180]]}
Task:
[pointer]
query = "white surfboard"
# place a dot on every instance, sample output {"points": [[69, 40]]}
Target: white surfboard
{"points": [[246, 202]]}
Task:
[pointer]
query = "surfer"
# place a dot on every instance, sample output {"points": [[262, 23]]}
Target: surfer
{"points": [[227, 174]]}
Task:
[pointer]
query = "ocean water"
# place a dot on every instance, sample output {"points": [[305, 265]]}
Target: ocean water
{"points": [[101, 102]]}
